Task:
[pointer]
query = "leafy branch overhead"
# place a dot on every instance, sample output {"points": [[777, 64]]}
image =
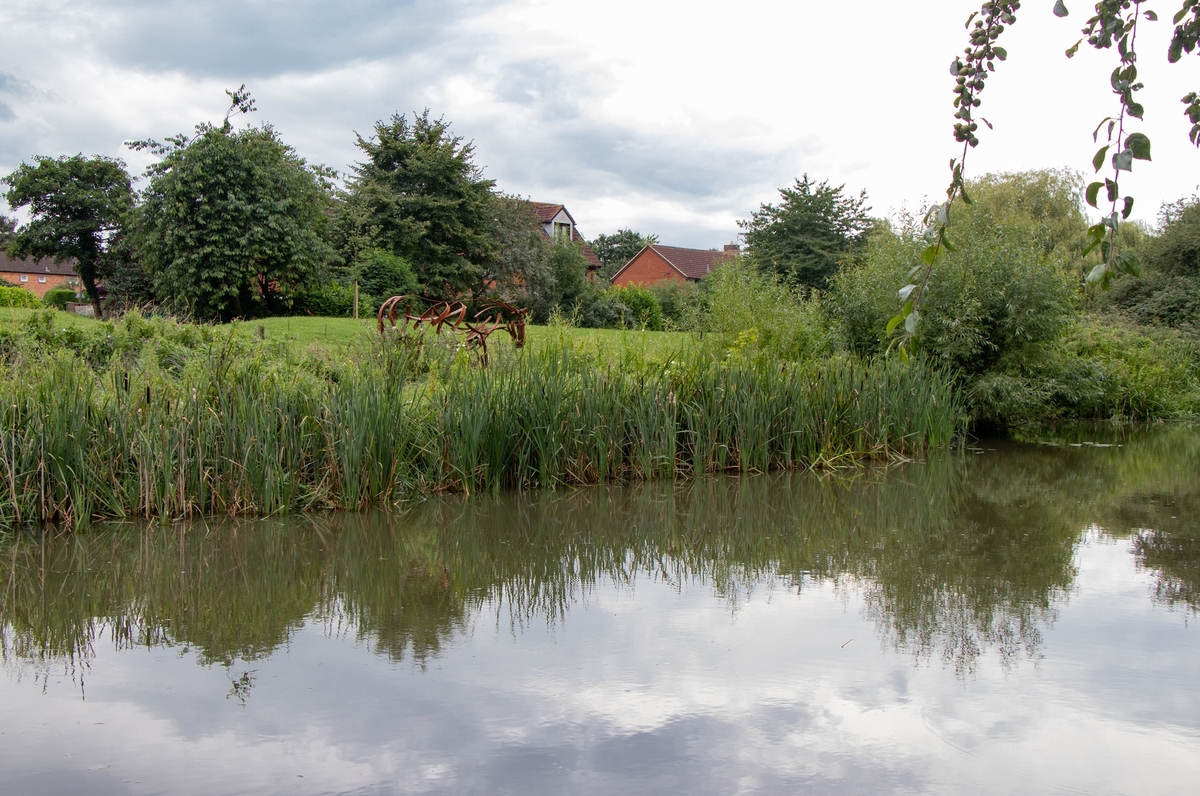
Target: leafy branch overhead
{"points": [[1113, 25]]}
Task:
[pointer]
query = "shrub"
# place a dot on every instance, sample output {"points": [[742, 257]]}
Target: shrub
{"points": [[58, 297], [751, 310], [679, 302], [1100, 368], [328, 301], [999, 292], [1169, 292], [383, 275], [597, 308], [644, 309], [18, 297]]}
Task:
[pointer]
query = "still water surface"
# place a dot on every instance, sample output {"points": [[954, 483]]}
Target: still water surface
{"points": [[1017, 618]]}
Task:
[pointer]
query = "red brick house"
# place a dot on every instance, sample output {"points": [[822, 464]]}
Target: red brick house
{"points": [[556, 221], [657, 263], [38, 276]]}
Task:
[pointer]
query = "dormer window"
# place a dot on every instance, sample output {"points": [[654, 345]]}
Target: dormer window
{"points": [[562, 230]]}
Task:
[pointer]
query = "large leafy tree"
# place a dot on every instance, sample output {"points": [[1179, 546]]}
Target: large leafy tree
{"points": [[520, 259], [420, 196], [805, 236], [232, 221], [619, 248], [76, 205]]}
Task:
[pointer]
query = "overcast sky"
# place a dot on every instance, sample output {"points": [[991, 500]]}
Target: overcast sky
{"points": [[671, 117]]}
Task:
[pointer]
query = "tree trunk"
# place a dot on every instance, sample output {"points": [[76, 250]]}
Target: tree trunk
{"points": [[87, 274]]}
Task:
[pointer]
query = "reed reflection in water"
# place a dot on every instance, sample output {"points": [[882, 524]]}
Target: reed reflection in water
{"points": [[953, 557], [1009, 618]]}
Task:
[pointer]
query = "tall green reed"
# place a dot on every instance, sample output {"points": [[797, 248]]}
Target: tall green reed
{"points": [[230, 427]]}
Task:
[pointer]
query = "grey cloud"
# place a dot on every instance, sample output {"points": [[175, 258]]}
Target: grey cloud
{"points": [[242, 40], [549, 136], [14, 86]]}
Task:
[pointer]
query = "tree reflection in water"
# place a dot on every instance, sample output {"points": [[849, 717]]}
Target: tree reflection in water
{"points": [[965, 553]]}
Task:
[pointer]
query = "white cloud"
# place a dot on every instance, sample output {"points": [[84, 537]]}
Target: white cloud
{"points": [[662, 116]]}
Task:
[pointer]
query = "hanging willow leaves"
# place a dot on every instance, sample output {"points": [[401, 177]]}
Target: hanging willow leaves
{"points": [[1114, 24]]}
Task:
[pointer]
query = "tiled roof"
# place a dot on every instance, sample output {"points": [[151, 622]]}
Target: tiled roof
{"points": [[546, 211], [28, 266], [692, 263]]}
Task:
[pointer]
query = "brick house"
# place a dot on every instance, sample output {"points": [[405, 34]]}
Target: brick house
{"points": [[38, 276], [657, 263], [556, 221]]}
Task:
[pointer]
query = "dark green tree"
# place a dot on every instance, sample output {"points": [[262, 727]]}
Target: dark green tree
{"points": [[76, 204], [8, 227], [519, 265], [382, 275], [126, 282], [1176, 250], [422, 198], [232, 223], [1169, 293], [804, 238], [619, 248]]}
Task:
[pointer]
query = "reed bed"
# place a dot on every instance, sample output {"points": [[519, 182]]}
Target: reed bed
{"points": [[228, 429]]}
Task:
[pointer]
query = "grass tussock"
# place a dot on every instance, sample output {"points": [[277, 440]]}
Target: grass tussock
{"points": [[157, 420]]}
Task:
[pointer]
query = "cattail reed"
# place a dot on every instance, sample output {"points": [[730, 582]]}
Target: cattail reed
{"points": [[169, 429]]}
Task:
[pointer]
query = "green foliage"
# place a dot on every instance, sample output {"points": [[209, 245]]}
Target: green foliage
{"points": [[127, 283], [19, 297], [420, 196], [382, 274], [680, 303], [560, 283], [157, 419], [58, 297], [331, 300], [615, 250], [1168, 294], [805, 237], [75, 204], [598, 307], [1099, 369], [1176, 249], [752, 312], [518, 267], [231, 223], [1006, 287], [644, 310]]}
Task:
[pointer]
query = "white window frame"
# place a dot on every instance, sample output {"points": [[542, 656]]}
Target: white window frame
{"points": [[24, 277], [41, 280]]}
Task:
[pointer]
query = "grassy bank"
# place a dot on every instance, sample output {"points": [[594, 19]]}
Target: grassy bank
{"points": [[301, 332], [155, 419]]}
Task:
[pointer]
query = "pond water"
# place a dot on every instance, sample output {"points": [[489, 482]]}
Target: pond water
{"points": [[1009, 618]]}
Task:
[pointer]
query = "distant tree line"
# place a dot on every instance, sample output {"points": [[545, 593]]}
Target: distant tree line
{"points": [[233, 223]]}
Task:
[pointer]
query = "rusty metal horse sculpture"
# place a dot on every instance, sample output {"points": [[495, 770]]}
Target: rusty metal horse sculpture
{"points": [[491, 317]]}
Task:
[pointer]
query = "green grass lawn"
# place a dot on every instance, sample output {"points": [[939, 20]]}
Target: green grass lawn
{"points": [[608, 343], [12, 318], [303, 331]]}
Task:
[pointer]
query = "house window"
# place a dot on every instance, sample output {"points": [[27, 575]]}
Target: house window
{"points": [[562, 230], [42, 280], [24, 277]]}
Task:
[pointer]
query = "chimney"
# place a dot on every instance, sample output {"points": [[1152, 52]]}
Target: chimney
{"points": [[732, 248]]}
